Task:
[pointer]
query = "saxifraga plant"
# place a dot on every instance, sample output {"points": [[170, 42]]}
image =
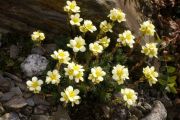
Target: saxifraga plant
{"points": [[97, 68]]}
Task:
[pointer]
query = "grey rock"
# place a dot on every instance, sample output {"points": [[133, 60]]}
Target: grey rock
{"points": [[166, 101], [56, 19], [1, 94], [22, 86], [133, 117], [10, 116], [158, 112], [27, 111], [27, 94], [50, 48], [34, 64], [144, 107], [37, 50], [13, 92], [61, 114], [16, 90], [147, 106], [39, 100], [7, 96], [41, 117], [5, 84], [119, 114], [1, 109], [13, 77], [22, 116], [138, 113], [16, 103], [41, 109], [30, 102], [14, 51]]}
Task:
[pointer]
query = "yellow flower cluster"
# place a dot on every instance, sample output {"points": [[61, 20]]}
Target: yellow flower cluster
{"points": [[70, 95], [34, 84], [87, 26], [126, 38], [120, 74], [61, 55], [117, 15], [104, 41], [77, 44], [105, 26], [37, 36], [150, 74], [96, 75], [96, 48], [71, 7], [76, 20], [147, 28], [53, 77], [74, 71], [129, 96], [150, 50]]}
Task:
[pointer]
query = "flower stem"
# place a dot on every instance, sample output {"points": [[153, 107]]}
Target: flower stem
{"points": [[58, 66]]}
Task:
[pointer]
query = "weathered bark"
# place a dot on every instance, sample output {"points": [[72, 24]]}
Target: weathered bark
{"points": [[48, 15]]}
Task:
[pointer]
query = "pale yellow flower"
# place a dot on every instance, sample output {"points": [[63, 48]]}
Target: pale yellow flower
{"points": [[34, 84], [70, 95], [105, 26], [75, 19], [61, 55], [87, 26], [147, 28], [151, 75], [73, 70], [77, 44], [96, 48], [120, 74], [37, 36], [71, 7], [126, 38], [53, 77], [117, 15], [104, 41], [150, 50], [129, 96], [79, 77], [96, 75]]}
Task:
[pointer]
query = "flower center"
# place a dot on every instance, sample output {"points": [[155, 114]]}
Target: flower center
{"points": [[35, 84]]}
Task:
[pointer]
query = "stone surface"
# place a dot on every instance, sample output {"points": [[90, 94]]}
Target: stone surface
{"points": [[10, 116], [61, 114], [158, 112], [34, 64], [7, 96], [5, 84], [39, 100], [16, 103], [14, 51], [41, 109], [41, 117], [17, 91], [166, 101], [50, 48], [13, 77], [48, 15], [138, 113], [37, 50], [1, 109], [30, 102], [22, 86]]}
